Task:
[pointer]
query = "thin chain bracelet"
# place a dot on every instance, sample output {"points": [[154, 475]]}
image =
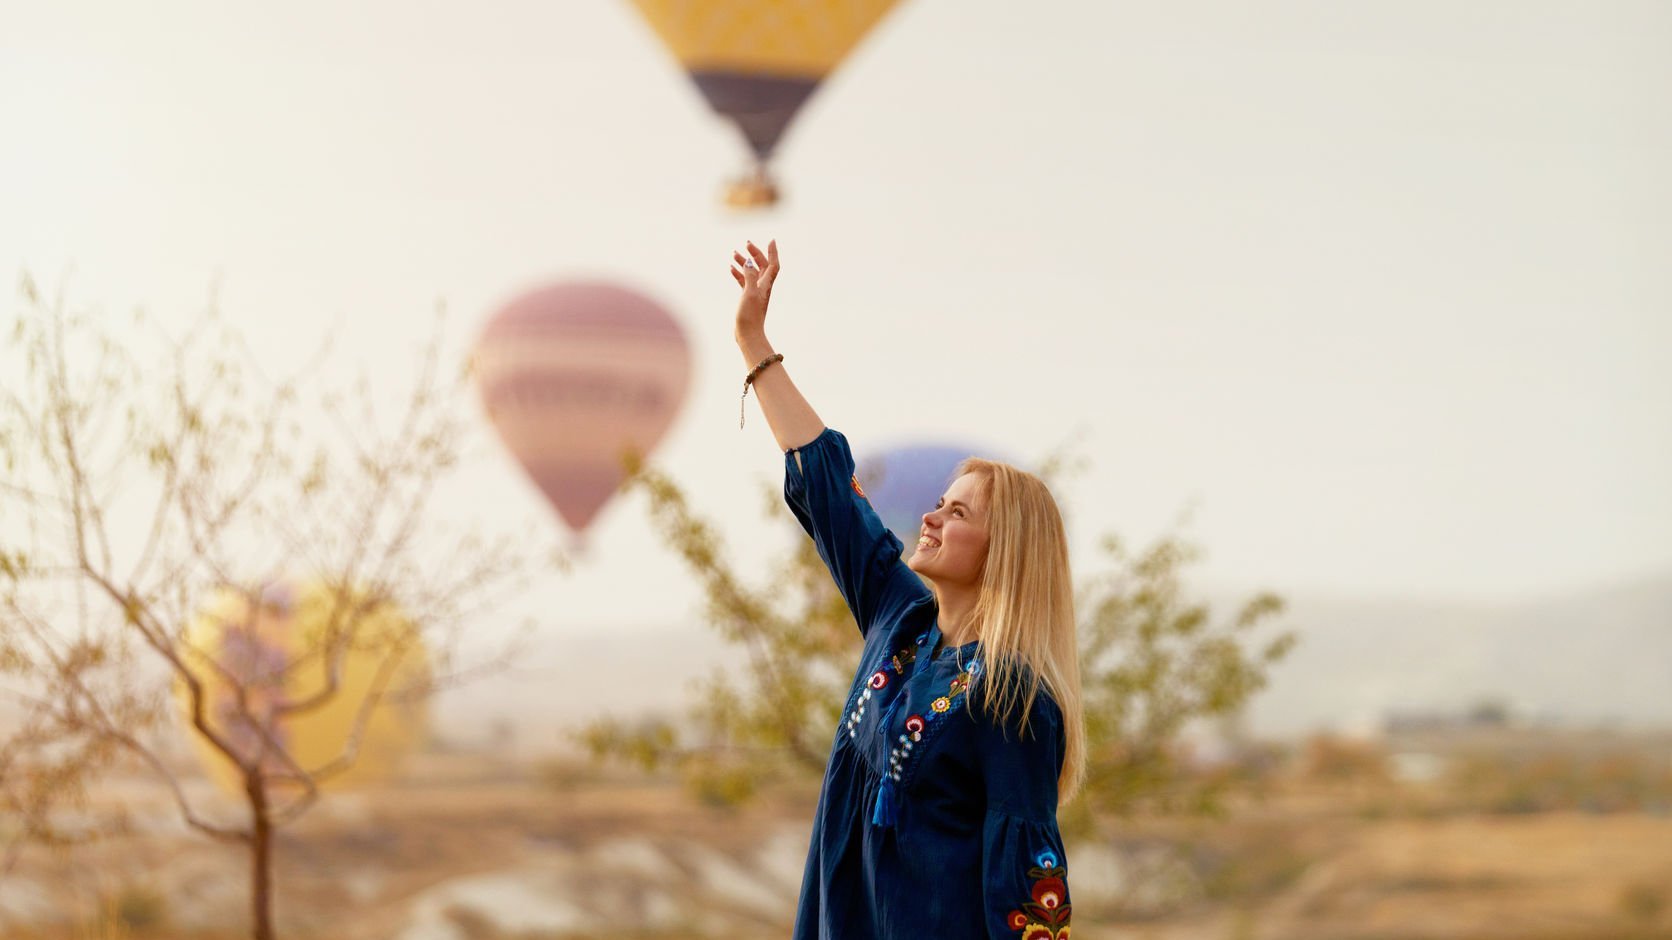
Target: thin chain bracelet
{"points": [[749, 380]]}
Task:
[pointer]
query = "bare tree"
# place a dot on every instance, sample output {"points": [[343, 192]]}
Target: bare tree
{"points": [[136, 486], [1153, 661]]}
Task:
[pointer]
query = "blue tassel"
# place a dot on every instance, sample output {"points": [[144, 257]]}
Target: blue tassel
{"points": [[884, 815]]}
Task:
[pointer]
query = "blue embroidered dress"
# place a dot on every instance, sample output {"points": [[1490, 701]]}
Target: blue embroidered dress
{"points": [[932, 822]]}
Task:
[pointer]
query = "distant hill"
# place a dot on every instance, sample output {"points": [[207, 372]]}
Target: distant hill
{"points": [[1598, 657]]}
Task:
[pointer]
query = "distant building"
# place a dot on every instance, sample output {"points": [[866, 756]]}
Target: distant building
{"points": [[1485, 714]]}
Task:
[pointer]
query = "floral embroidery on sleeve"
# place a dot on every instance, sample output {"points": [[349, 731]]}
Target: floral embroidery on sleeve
{"points": [[1045, 915]]}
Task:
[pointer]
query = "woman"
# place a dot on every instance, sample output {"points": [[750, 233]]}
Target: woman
{"points": [[938, 816]]}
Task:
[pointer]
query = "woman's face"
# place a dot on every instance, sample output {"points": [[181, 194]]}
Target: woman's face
{"points": [[952, 547]]}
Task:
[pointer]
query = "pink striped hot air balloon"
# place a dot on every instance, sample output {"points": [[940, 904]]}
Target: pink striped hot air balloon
{"points": [[574, 375]]}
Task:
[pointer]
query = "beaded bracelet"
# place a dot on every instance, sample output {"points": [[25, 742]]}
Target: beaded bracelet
{"points": [[749, 380]]}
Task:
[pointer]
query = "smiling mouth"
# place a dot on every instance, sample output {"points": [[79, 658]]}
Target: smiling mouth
{"points": [[925, 541]]}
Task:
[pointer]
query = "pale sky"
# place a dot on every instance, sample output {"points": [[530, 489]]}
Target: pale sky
{"points": [[1381, 288]]}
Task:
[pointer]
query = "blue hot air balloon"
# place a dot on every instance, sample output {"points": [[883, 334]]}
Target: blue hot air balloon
{"points": [[904, 482]]}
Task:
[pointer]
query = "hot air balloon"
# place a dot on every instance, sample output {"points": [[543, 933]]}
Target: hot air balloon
{"points": [[574, 375], [758, 61], [902, 483], [276, 645]]}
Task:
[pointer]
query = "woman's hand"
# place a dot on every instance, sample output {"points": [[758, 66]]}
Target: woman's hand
{"points": [[755, 274], [794, 422]]}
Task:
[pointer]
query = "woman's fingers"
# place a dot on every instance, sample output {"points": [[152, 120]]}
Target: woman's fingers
{"points": [[762, 264], [747, 264], [739, 265]]}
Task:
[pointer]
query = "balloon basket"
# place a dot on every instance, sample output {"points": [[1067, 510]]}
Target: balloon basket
{"points": [[755, 191]]}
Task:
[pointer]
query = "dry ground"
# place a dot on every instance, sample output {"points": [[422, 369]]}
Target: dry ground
{"points": [[472, 847]]}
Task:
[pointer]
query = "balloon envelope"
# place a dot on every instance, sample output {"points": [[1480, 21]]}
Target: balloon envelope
{"points": [[573, 376], [272, 644], [758, 61]]}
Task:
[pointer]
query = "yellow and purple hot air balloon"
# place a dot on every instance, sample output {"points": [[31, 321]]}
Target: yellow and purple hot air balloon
{"points": [[758, 61], [288, 672], [573, 376]]}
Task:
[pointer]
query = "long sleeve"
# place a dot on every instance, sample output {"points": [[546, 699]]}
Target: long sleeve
{"points": [[1024, 880], [862, 554]]}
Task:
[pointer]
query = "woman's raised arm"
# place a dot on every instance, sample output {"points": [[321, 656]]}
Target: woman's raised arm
{"points": [[819, 485], [794, 423]]}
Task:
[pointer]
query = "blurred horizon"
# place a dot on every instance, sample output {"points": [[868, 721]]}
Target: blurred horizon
{"points": [[1588, 660]]}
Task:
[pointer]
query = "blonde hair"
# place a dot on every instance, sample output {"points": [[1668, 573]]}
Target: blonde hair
{"points": [[1025, 608]]}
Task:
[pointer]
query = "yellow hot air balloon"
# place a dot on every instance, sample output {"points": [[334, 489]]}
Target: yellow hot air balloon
{"points": [[758, 61], [276, 645]]}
